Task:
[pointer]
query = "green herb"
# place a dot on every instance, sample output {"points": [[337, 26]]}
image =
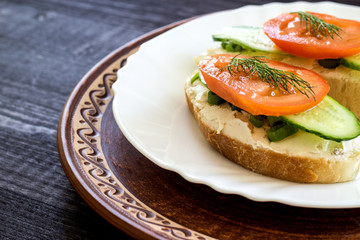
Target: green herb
{"points": [[214, 99], [257, 121], [279, 79], [235, 108], [330, 63], [274, 120], [195, 77], [231, 47], [317, 26], [280, 131]]}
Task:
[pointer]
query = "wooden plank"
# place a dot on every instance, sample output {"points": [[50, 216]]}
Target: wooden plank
{"points": [[46, 46]]}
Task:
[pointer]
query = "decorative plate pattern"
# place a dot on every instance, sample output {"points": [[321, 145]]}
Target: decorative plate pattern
{"points": [[80, 128]]}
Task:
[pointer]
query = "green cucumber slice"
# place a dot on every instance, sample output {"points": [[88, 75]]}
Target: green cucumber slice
{"points": [[329, 120], [352, 62], [250, 38]]}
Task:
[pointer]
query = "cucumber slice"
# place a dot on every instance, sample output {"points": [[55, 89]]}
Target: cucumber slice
{"points": [[250, 38], [329, 120], [352, 62]]}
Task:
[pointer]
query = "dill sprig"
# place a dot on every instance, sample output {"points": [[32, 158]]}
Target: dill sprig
{"points": [[318, 27], [279, 79]]}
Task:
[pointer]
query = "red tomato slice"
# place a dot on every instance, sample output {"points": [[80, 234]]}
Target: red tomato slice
{"points": [[255, 96], [287, 32]]}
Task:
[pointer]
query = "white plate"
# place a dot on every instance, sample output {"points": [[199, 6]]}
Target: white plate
{"points": [[150, 108]]}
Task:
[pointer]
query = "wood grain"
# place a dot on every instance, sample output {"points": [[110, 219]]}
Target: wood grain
{"points": [[46, 46]]}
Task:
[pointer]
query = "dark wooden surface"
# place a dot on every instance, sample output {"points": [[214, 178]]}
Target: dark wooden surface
{"points": [[46, 46]]}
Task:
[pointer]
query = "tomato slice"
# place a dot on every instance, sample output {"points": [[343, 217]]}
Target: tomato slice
{"points": [[287, 32], [255, 96]]}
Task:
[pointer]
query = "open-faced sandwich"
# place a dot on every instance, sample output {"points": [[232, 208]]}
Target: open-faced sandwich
{"points": [[281, 107]]}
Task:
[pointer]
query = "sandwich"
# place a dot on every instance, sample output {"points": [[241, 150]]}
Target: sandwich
{"points": [[288, 114]]}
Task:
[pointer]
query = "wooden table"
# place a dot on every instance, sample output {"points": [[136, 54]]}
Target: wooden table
{"points": [[45, 49]]}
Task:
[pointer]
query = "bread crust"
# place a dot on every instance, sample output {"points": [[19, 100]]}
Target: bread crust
{"points": [[275, 164]]}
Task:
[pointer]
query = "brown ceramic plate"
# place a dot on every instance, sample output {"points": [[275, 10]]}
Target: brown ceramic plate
{"points": [[149, 202]]}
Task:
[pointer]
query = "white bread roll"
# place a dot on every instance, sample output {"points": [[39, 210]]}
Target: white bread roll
{"points": [[302, 157]]}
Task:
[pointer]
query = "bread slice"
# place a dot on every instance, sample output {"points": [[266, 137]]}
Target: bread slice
{"points": [[344, 85], [302, 157]]}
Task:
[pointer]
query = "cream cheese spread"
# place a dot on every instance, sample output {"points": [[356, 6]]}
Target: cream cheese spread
{"points": [[223, 120]]}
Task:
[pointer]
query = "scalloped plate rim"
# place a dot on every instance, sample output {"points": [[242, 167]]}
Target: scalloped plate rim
{"points": [[190, 177]]}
